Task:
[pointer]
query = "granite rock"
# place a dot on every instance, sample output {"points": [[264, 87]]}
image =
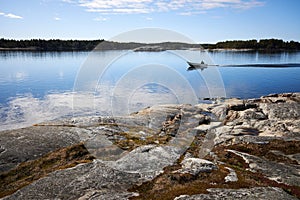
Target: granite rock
{"points": [[194, 166], [245, 194], [140, 147], [85, 181]]}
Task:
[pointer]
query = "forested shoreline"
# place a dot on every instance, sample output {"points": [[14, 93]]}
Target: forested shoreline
{"points": [[264, 44], [48, 45], [82, 45]]}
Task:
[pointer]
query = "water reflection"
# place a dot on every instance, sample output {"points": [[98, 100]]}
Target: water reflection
{"points": [[37, 73], [44, 55], [116, 75], [36, 87], [27, 110], [249, 57]]}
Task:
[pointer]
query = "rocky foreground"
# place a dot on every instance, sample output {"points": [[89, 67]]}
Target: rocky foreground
{"points": [[245, 149]]}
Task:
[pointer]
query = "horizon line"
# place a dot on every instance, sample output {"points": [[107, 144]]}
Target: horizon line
{"points": [[227, 40]]}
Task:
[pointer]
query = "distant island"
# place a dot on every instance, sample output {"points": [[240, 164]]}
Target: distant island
{"points": [[88, 45], [264, 44]]}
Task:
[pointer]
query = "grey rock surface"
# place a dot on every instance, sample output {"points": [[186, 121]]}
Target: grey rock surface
{"points": [[262, 193], [175, 128], [195, 166], [232, 176], [30, 143], [85, 181], [279, 172], [147, 160]]}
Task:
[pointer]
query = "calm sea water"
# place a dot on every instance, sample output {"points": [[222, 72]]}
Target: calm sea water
{"points": [[39, 86]]}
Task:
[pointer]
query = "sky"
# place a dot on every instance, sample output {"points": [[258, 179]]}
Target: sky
{"points": [[204, 21]]}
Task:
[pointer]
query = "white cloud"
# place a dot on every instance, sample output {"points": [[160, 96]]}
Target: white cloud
{"points": [[120, 11], [189, 13], [182, 7], [186, 13], [248, 5], [237, 4], [57, 18], [101, 19], [10, 15], [69, 1]]}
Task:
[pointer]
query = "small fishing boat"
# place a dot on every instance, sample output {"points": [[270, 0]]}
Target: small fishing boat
{"points": [[201, 65]]}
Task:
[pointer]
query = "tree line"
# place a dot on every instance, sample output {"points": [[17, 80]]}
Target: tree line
{"points": [[81, 45], [49, 45], [264, 44]]}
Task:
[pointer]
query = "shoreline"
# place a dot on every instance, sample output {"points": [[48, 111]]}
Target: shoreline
{"points": [[264, 45], [150, 49], [236, 147]]}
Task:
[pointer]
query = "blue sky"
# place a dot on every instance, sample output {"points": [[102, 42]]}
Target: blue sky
{"points": [[205, 21]]}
